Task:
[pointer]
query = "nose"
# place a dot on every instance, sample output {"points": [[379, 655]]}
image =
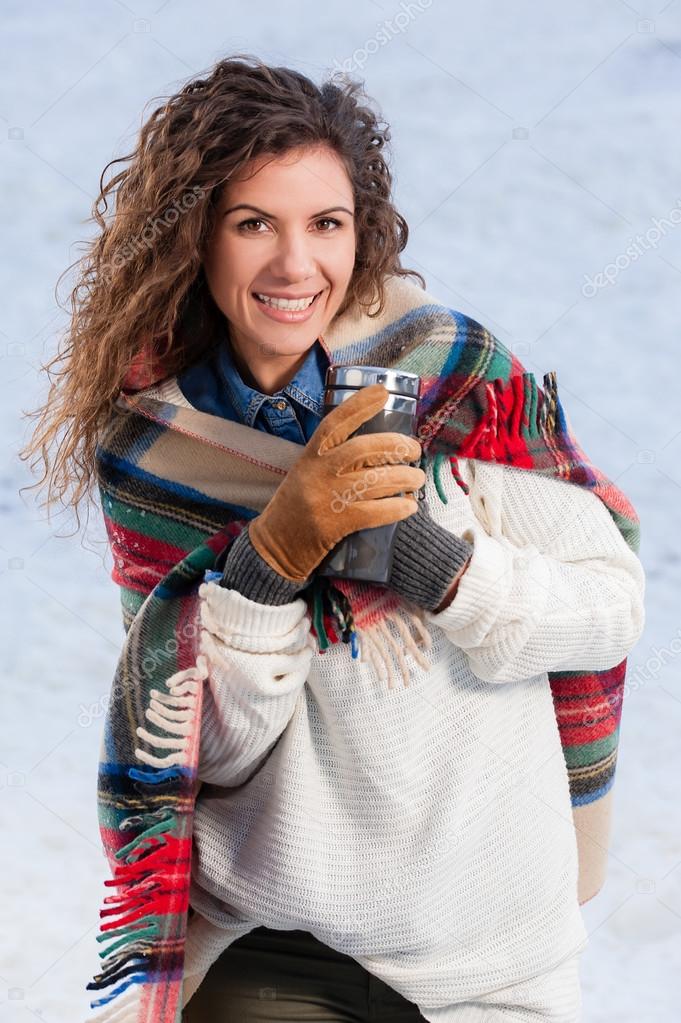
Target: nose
{"points": [[294, 258]]}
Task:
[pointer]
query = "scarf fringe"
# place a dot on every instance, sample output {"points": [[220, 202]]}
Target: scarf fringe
{"points": [[516, 411], [125, 1011], [374, 643], [146, 877]]}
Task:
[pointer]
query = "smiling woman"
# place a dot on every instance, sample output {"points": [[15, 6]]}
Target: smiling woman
{"points": [[299, 838]]}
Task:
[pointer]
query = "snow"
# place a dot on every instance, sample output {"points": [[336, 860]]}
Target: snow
{"points": [[532, 145]]}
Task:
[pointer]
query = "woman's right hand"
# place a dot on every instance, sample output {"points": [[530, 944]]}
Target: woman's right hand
{"points": [[332, 490]]}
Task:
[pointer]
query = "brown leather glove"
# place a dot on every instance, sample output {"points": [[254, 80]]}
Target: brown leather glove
{"points": [[331, 490]]}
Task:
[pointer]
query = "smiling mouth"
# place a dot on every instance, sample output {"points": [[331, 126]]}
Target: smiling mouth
{"points": [[283, 309]]}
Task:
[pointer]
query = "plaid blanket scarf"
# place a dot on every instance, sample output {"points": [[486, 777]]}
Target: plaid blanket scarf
{"points": [[176, 486]]}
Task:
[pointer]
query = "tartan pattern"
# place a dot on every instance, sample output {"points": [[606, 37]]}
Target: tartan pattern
{"points": [[165, 534]]}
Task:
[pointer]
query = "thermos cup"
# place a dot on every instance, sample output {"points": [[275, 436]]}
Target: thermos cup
{"points": [[367, 554]]}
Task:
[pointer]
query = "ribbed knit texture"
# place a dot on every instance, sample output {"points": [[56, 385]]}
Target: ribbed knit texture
{"points": [[244, 570], [427, 832], [426, 557]]}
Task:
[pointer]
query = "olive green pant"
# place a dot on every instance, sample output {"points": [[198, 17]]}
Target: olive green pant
{"points": [[270, 976]]}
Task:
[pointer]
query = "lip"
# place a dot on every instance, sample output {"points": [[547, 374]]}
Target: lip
{"points": [[293, 298], [287, 315]]}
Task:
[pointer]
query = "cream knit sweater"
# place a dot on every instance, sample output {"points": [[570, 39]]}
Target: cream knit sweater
{"points": [[425, 831]]}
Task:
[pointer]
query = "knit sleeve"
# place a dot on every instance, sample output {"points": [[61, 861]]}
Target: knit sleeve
{"points": [[552, 585], [259, 657]]}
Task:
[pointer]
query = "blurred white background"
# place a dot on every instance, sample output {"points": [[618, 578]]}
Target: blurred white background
{"points": [[534, 145]]}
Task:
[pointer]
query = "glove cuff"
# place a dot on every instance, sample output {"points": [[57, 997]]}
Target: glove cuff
{"points": [[247, 572], [426, 558]]}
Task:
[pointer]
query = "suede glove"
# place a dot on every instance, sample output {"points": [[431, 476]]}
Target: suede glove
{"points": [[325, 496], [303, 521], [426, 559]]}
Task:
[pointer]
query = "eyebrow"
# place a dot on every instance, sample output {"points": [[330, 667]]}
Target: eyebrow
{"points": [[271, 216]]}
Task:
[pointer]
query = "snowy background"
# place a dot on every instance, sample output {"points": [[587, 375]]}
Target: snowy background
{"points": [[533, 143]]}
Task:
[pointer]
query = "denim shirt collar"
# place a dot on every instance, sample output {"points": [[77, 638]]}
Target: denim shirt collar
{"points": [[306, 388]]}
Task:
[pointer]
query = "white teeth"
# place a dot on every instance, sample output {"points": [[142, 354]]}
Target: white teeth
{"points": [[287, 303]]}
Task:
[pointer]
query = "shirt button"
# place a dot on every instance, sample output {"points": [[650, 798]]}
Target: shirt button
{"points": [[280, 404]]}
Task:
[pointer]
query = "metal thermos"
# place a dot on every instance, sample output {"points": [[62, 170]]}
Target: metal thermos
{"points": [[367, 554]]}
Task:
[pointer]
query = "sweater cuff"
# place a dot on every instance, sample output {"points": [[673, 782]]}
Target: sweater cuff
{"points": [[248, 573], [426, 558], [237, 619], [483, 589]]}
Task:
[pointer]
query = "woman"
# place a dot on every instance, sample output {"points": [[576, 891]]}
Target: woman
{"points": [[358, 853]]}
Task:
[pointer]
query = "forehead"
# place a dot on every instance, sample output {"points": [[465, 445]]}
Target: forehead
{"points": [[299, 175]]}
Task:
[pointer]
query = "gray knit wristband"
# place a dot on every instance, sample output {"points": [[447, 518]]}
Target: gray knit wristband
{"points": [[245, 571], [426, 557]]}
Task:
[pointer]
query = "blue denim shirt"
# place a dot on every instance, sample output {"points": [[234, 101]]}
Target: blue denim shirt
{"points": [[215, 385]]}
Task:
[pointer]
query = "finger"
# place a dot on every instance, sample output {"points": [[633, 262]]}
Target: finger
{"points": [[374, 449], [368, 514], [384, 481], [348, 416]]}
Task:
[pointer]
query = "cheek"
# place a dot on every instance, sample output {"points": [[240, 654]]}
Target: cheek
{"points": [[213, 261], [221, 243], [344, 258], [227, 264]]}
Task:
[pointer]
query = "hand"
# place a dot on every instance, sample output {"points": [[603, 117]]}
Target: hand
{"points": [[305, 518]]}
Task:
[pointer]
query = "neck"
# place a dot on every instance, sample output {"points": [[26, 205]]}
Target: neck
{"points": [[268, 375]]}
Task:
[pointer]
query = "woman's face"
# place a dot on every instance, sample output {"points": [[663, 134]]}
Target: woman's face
{"points": [[293, 236]]}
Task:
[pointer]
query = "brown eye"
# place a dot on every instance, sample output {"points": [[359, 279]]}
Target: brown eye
{"points": [[251, 220], [329, 220]]}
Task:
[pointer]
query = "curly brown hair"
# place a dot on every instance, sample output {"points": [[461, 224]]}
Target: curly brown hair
{"points": [[131, 294]]}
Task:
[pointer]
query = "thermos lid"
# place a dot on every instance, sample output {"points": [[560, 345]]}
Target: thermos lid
{"points": [[397, 381]]}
